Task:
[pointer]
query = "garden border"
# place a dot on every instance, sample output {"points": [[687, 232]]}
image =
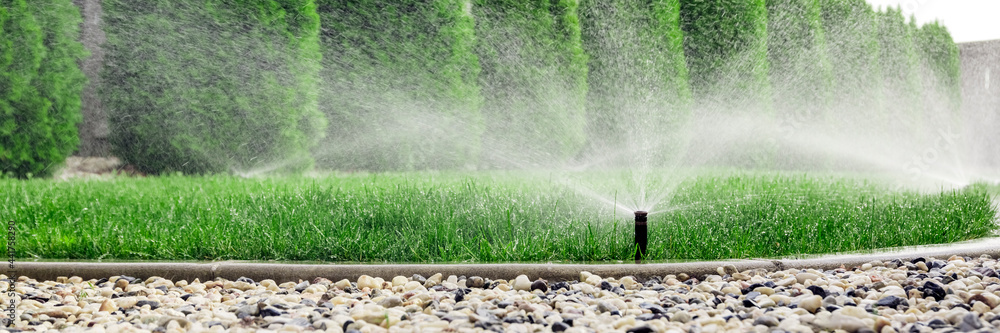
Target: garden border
{"points": [[281, 272]]}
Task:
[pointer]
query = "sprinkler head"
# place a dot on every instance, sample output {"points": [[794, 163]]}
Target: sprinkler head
{"points": [[641, 234]]}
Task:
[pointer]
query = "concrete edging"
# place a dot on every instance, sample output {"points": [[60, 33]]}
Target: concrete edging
{"points": [[232, 270]]}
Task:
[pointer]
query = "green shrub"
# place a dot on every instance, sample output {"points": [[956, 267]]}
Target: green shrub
{"points": [[202, 86], [534, 80], [854, 51], [400, 86], [639, 95], [900, 73], [939, 58], [726, 48], [801, 75], [40, 84]]}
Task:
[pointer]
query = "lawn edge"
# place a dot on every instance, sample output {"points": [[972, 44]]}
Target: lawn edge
{"points": [[282, 272]]}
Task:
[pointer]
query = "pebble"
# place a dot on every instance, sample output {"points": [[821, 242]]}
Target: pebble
{"points": [[955, 295], [522, 283]]}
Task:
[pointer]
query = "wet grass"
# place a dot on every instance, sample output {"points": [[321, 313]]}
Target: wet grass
{"points": [[471, 217]]}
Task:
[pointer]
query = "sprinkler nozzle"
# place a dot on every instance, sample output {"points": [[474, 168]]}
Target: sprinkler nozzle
{"points": [[641, 234]]}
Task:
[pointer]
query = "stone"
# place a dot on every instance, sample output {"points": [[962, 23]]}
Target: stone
{"points": [[603, 306], [766, 321], [365, 281], [990, 299], [653, 308], [433, 280], [391, 302], [640, 329], [153, 305], [343, 284], [891, 301], [521, 283], [269, 311], [932, 289], [108, 306], [811, 303], [248, 310], [970, 322], [121, 284], [806, 276], [681, 317], [475, 282], [399, 281], [539, 285]]}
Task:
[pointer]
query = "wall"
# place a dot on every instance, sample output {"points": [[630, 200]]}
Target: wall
{"points": [[981, 99]]}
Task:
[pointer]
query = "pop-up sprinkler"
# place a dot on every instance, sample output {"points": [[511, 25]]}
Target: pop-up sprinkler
{"points": [[640, 234]]}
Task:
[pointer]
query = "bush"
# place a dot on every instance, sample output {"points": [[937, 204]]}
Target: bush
{"points": [[900, 73], [726, 48], [801, 76], [534, 80], [401, 88], [639, 96], [40, 85], [854, 51], [203, 86], [939, 58]]}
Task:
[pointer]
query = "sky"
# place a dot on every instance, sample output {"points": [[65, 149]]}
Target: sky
{"points": [[967, 20]]}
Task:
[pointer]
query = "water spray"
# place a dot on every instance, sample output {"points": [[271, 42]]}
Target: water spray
{"points": [[641, 233]]}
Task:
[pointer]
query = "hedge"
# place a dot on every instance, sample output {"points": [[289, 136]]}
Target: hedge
{"points": [[400, 89], [940, 61], [801, 74], [726, 48], [639, 96], [533, 79], [206, 86], [900, 66], [854, 52], [40, 85]]}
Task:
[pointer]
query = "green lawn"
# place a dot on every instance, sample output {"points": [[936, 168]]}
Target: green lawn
{"points": [[475, 217]]}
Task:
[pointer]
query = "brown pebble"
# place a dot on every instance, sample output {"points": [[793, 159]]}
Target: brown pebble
{"points": [[121, 284], [55, 314], [108, 306]]}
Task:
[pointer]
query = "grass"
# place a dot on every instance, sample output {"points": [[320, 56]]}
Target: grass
{"points": [[472, 217]]}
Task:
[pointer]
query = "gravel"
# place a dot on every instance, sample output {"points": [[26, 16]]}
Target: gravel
{"points": [[959, 294]]}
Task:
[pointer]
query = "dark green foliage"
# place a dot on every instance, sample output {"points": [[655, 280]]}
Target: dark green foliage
{"points": [[400, 86], [900, 73], [212, 85], [854, 51], [40, 84], [801, 75], [726, 47], [638, 78], [534, 80], [940, 60]]}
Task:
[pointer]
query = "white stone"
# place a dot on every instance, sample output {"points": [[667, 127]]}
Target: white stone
{"points": [[366, 281], [522, 283]]}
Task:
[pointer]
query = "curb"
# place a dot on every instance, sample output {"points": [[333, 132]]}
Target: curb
{"points": [[232, 270]]}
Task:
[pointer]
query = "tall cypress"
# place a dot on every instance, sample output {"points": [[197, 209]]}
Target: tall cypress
{"points": [[853, 46], [801, 74], [939, 57], [212, 85], [900, 73], [639, 97], [534, 80], [726, 49], [400, 89], [40, 85]]}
